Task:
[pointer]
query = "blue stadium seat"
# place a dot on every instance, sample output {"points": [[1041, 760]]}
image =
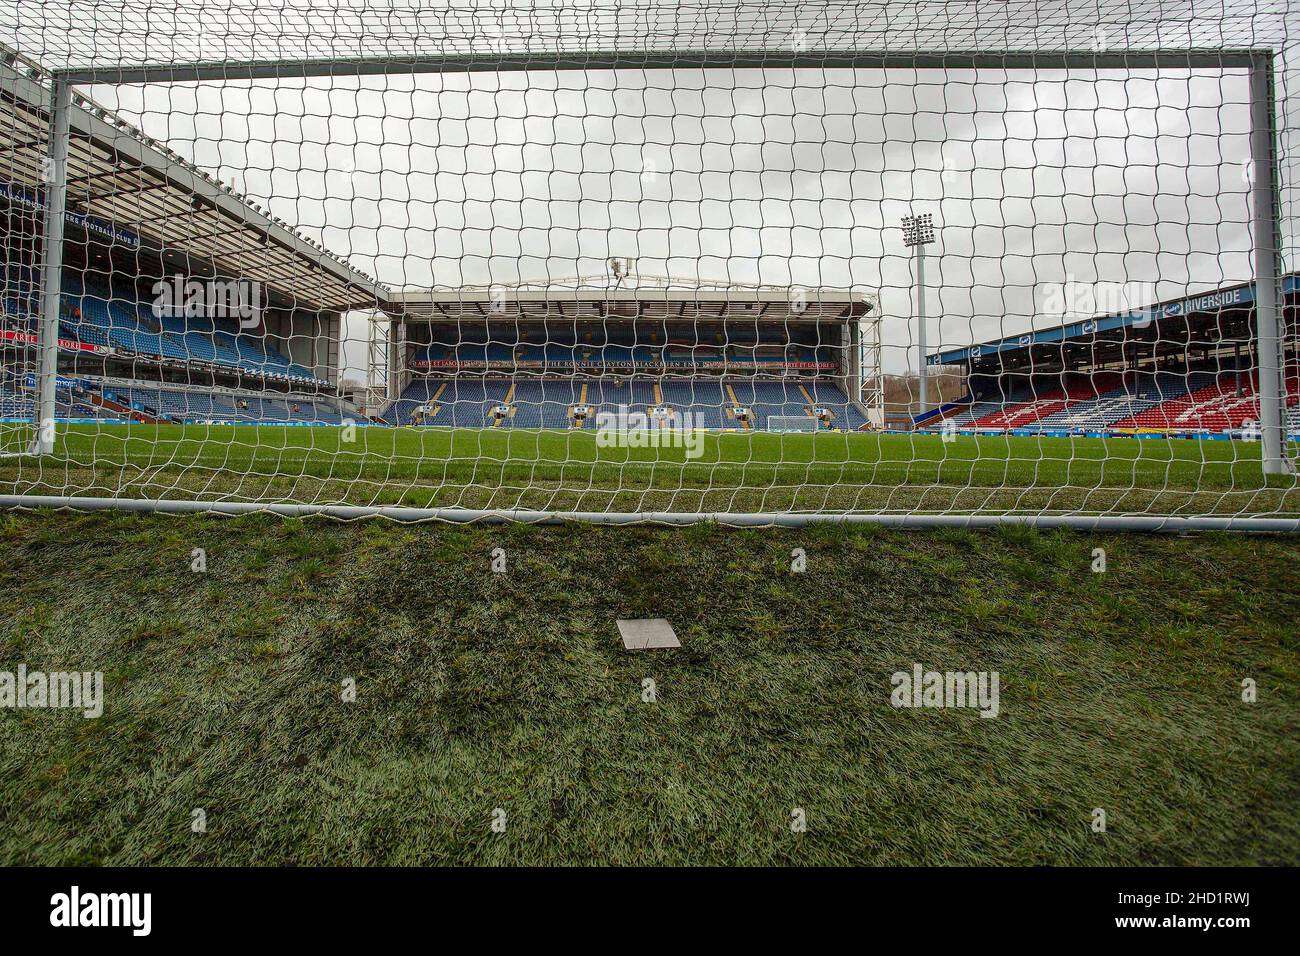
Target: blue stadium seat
{"points": [[107, 311]]}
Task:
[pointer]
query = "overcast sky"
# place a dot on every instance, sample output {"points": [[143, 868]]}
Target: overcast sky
{"points": [[777, 176]]}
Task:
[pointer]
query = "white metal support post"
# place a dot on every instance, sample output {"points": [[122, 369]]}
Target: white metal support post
{"points": [[1266, 235], [918, 232], [56, 189], [921, 344]]}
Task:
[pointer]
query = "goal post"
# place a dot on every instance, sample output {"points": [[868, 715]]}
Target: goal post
{"points": [[56, 194], [1266, 234], [350, 377]]}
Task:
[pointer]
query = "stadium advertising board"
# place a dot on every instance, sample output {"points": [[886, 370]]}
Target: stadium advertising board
{"points": [[17, 196], [71, 345], [453, 362]]}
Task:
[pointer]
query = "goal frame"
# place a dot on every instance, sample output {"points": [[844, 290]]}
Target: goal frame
{"points": [[793, 418], [1265, 221]]}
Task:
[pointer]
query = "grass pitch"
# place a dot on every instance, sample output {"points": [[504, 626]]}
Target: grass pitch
{"points": [[479, 691], [570, 470]]}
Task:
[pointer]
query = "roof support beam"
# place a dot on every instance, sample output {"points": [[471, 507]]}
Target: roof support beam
{"points": [[126, 146], [19, 145]]}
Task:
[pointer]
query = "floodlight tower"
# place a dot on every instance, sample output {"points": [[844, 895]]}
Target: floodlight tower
{"points": [[620, 268], [918, 232]]}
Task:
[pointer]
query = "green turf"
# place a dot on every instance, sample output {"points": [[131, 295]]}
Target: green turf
{"points": [[479, 691], [733, 472]]}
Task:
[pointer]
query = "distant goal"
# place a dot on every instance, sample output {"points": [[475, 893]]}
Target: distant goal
{"points": [[792, 423]]}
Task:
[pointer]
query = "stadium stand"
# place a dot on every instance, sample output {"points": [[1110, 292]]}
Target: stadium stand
{"points": [[461, 403], [1134, 394], [85, 399], [1225, 403], [573, 353], [101, 313], [146, 326], [98, 314], [18, 403], [1181, 366], [1038, 406], [1200, 401], [195, 405]]}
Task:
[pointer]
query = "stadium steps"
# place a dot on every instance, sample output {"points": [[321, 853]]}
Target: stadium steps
{"points": [[735, 402], [574, 420], [433, 400], [547, 402], [510, 410], [812, 405]]}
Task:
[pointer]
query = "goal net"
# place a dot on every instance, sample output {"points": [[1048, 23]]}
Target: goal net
{"points": [[18, 352], [762, 262], [792, 423]]}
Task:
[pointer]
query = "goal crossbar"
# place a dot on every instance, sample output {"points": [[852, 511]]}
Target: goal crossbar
{"points": [[778, 58]]}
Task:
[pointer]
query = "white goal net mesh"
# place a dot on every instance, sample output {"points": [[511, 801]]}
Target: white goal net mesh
{"points": [[791, 423], [1022, 259]]}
